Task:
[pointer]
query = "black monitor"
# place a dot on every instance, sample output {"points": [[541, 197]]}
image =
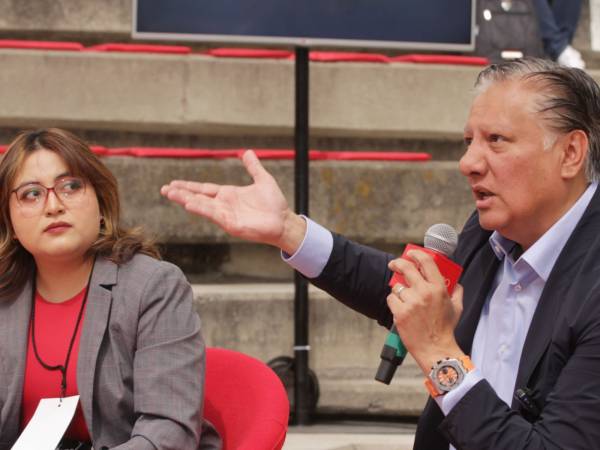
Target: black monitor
{"points": [[437, 25]]}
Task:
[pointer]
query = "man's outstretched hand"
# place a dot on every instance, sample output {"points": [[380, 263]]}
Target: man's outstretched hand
{"points": [[258, 212]]}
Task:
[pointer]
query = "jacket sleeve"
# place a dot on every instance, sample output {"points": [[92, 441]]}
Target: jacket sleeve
{"points": [[358, 277], [168, 367]]}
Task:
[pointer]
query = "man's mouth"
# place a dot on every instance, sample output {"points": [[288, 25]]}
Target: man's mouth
{"points": [[481, 193]]}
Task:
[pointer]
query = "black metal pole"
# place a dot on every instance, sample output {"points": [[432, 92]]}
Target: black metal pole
{"points": [[301, 348]]}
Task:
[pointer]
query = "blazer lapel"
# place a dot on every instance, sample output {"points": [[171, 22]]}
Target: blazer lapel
{"points": [[555, 291], [14, 331], [477, 283], [94, 327]]}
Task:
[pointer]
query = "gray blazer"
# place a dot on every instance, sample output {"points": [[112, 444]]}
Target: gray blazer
{"points": [[140, 369]]}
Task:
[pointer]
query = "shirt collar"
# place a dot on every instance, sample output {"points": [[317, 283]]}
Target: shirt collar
{"points": [[542, 255]]}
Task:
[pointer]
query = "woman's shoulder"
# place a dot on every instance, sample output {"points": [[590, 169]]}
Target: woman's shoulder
{"points": [[143, 269], [141, 262]]}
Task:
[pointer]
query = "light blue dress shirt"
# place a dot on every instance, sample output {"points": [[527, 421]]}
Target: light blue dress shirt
{"points": [[507, 311]]}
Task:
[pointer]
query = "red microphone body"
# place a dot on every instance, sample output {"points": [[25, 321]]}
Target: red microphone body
{"points": [[440, 242]]}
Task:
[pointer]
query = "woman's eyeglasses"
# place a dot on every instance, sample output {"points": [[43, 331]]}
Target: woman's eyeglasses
{"points": [[32, 197]]}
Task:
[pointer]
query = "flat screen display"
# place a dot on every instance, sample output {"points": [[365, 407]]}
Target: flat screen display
{"points": [[405, 24]]}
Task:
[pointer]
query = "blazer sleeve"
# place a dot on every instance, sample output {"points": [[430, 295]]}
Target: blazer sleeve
{"points": [[168, 368], [358, 277]]}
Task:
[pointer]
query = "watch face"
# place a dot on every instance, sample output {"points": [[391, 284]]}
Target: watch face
{"points": [[447, 376]]}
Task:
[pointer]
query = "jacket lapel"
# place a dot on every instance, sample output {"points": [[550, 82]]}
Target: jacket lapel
{"points": [[555, 291], [14, 330], [484, 267], [94, 327]]}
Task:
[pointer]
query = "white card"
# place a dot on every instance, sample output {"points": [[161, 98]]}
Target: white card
{"points": [[48, 424]]}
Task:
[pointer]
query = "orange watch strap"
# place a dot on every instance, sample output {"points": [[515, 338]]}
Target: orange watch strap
{"points": [[466, 363], [431, 388]]}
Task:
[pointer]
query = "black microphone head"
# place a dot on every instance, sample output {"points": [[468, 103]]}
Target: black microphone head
{"points": [[442, 238]]}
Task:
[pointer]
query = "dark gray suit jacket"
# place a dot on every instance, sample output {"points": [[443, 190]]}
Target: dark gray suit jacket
{"points": [[560, 362], [140, 368]]}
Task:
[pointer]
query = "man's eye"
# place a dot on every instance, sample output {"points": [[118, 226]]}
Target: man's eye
{"points": [[468, 141], [496, 138]]}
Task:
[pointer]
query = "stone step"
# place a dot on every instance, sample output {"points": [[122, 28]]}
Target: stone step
{"points": [[197, 94], [351, 435], [388, 203], [379, 203], [257, 319]]}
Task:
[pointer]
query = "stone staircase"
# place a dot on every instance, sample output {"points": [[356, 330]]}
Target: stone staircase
{"points": [[243, 292]]}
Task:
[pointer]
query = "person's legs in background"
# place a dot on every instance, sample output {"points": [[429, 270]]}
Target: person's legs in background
{"points": [[558, 22]]}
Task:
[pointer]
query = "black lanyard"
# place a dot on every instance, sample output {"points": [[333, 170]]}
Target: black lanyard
{"points": [[61, 367]]}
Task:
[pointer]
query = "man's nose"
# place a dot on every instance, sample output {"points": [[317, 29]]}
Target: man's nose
{"points": [[472, 161]]}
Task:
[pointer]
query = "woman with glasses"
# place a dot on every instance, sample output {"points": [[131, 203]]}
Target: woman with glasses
{"points": [[88, 310]]}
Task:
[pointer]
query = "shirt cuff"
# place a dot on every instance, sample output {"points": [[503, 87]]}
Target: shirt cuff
{"points": [[314, 251], [448, 401]]}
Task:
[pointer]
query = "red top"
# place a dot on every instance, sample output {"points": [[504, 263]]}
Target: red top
{"points": [[54, 326]]}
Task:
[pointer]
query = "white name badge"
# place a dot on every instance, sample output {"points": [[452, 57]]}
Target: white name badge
{"points": [[48, 424]]}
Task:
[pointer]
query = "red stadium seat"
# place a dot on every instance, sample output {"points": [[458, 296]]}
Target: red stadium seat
{"points": [[227, 52], [245, 401], [314, 155], [442, 59], [347, 57], [41, 45], [141, 48]]}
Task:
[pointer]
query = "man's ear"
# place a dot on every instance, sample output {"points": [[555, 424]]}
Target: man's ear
{"points": [[575, 151]]}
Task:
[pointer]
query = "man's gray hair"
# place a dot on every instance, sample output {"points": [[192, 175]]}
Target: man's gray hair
{"points": [[568, 98]]}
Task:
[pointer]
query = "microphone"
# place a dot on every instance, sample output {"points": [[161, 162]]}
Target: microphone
{"points": [[440, 242]]}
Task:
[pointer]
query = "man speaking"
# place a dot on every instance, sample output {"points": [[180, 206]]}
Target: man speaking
{"points": [[512, 358]]}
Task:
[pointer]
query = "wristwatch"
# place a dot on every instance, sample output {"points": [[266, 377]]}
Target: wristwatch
{"points": [[447, 374]]}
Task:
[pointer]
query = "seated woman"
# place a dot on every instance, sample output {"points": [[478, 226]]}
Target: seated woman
{"points": [[86, 308]]}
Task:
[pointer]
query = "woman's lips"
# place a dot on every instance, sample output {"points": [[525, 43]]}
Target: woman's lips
{"points": [[56, 228]]}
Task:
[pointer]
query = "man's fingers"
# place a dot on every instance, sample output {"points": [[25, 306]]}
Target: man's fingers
{"points": [[199, 204], [427, 266], [253, 166], [182, 196], [409, 271], [194, 187], [179, 196], [457, 298]]}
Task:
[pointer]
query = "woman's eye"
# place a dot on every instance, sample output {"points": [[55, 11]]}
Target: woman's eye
{"points": [[71, 186], [31, 194]]}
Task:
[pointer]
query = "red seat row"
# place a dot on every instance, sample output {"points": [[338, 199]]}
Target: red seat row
{"points": [[318, 56], [315, 155]]}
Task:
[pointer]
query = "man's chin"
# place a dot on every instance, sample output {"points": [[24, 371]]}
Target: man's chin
{"points": [[488, 222]]}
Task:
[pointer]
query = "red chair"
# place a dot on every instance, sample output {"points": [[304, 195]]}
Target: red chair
{"points": [[245, 401]]}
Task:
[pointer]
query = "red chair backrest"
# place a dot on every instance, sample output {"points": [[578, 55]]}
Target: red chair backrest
{"points": [[245, 401]]}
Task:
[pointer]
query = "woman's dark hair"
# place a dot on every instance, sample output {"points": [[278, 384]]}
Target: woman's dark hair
{"points": [[114, 242]]}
